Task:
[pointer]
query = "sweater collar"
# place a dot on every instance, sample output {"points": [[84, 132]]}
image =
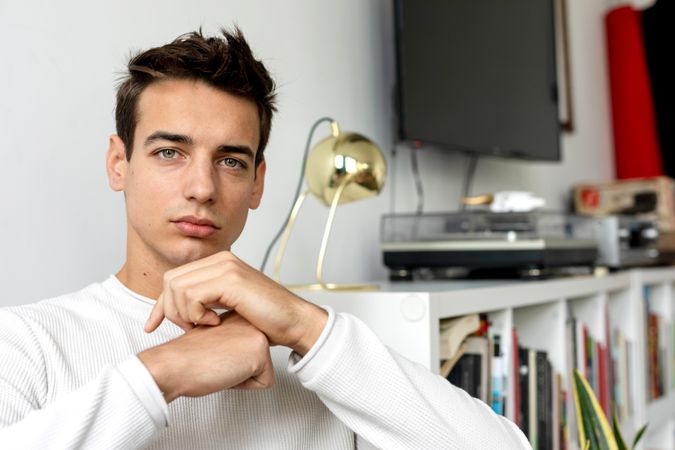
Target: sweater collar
{"points": [[115, 284]]}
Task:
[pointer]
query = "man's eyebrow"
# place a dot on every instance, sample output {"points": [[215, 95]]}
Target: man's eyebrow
{"points": [[184, 139], [167, 136], [241, 149]]}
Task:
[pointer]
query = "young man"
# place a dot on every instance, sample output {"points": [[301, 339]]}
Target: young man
{"points": [[100, 368]]}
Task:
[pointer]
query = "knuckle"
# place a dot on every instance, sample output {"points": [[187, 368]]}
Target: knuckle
{"points": [[259, 342], [234, 272], [188, 292], [172, 315], [223, 255], [266, 381], [167, 277], [172, 284], [258, 366], [196, 314], [177, 285]]}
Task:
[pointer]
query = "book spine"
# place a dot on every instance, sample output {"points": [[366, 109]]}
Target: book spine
{"points": [[609, 368], [515, 377], [556, 416], [544, 419], [498, 384], [572, 363], [652, 346], [524, 382], [602, 379], [532, 397]]}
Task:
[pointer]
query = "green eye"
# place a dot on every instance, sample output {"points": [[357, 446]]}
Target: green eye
{"points": [[231, 162], [167, 153]]}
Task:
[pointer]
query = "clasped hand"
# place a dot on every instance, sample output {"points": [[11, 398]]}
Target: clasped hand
{"points": [[256, 304]]}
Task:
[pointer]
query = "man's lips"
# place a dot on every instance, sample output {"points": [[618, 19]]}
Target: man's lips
{"points": [[195, 227]]}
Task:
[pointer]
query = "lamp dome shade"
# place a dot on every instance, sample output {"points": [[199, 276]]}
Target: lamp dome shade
{"points": [[347, 155]]}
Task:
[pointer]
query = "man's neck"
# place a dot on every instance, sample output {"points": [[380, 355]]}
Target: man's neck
{"points": [[142, 280]]}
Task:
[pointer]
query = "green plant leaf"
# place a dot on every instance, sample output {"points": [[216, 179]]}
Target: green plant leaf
{"points": [[587, 416], [639, 434], [593, 424], [617, 432]]}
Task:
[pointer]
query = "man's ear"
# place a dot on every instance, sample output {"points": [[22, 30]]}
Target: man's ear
{"points": [[259, 185], [116, 163]]}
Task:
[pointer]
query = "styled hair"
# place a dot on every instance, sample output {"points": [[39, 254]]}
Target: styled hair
{"points": [[225, 63]]}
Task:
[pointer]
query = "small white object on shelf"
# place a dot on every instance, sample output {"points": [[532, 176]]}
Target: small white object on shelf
{"points": [[515, 201]]}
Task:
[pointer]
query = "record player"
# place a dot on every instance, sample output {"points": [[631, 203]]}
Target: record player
{"points": [[486, 242]]}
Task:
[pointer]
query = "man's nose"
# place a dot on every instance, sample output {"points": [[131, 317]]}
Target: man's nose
{"points": [[200, 183]]}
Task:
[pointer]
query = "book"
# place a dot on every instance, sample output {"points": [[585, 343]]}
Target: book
{"points": [[609, 369], [532, 397], [454, 331], [499, 377], [603, 388], [448, 364], [466, 374], [544, 404], [565, 415], [589, 352], [572, 362], [515, 377], [653, 357], [580, 339], [472, 370], [524, 389], [558, 423], [622, 355]]}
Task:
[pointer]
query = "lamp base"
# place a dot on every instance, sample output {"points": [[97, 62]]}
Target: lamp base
{"points": [[333, 287]]}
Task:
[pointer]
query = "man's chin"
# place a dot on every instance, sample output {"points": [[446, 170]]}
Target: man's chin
{"points": [[180, 257]]}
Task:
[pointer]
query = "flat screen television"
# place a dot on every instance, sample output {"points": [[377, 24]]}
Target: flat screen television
{"points": [[478, 76]]}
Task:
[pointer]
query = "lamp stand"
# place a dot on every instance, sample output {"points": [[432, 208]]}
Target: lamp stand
{"points": [[320, 285]]}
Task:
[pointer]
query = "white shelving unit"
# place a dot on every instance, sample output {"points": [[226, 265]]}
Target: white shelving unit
{"points": [[406, 317]]}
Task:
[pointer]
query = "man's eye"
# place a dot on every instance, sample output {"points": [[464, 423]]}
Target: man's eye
{"points": [[167, 153], [231, 162]]}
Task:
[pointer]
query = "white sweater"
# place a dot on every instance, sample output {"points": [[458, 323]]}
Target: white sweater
{"points": [[69, 378]]}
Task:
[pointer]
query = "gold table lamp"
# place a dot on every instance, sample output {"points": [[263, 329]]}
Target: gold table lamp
{"points": [[341, 168]]}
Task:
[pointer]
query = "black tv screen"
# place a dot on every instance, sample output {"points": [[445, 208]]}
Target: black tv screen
{"points": [[479, 76]]}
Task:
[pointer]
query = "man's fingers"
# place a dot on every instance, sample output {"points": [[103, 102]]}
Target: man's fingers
{"points": [[180, 306], [156, 316], [201, 315], [171, 312], [182, 290], [186, 326], [162, 310], [195, 266], [253, 384], [263, 381]]}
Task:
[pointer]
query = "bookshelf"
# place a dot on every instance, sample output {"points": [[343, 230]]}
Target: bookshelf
{"points": [[612, 311]]}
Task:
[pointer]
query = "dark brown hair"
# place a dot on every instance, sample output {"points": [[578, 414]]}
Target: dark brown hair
{"points": [[225, 63]]}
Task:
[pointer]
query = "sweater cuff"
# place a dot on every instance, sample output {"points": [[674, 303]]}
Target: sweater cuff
{"points": [[297, 362], [144, 386]]}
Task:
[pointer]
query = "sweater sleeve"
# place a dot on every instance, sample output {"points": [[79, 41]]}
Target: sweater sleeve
{"points": [[117, 409], [392, 402]]}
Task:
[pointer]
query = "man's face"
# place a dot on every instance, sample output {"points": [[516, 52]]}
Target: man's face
{"points": [[192, 176]]}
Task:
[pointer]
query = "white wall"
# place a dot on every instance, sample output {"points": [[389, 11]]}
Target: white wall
{"points": [[60, 225]]}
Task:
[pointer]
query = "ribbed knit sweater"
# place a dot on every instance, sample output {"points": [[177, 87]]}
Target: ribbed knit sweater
{"points": [[69, 378]]}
